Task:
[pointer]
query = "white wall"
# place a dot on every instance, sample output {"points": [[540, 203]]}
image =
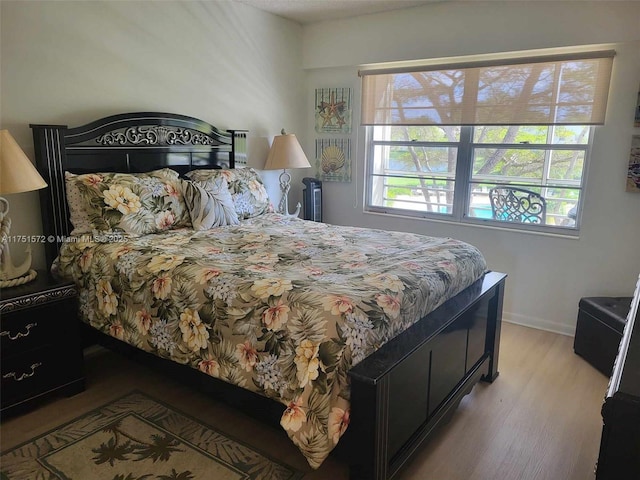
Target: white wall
{"points": [[547, 275], [73, 62]]}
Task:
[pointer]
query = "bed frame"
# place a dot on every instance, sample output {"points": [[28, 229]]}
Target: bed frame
{"points": [[399, 395]]}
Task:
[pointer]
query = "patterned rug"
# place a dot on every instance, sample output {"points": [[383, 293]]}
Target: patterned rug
{"points": [[138, 438]]}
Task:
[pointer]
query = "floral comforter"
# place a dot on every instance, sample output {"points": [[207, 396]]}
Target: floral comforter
{"points": [[280, 306]]}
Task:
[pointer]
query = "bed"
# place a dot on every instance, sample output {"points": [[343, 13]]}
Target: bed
{"points": [[305, 325]]}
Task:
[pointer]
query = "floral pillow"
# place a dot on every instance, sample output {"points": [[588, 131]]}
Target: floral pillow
{"points": [[209, 203], [130, 203], [249, 196]]}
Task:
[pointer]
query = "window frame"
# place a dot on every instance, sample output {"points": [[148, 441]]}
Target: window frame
{"points": [[464, 181]]}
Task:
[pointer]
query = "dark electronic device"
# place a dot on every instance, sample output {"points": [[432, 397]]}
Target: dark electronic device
{"points": [[312, 199]]}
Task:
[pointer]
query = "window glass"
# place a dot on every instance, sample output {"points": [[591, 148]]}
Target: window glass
{"points": [[511, 134], [423, 194], [425, 133], [570, 134], [404, 160], [566, 166], [509, 164], [451, 172]]}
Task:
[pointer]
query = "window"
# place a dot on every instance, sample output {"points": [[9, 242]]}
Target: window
{"points": [[426, 170], [441, 141]]}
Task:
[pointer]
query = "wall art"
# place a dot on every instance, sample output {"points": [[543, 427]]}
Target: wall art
{"points": [[333, 159], [633, 174], [333, 110], [637, 119]]}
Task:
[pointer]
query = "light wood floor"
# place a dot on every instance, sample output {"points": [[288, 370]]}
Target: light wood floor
{"points": [[539, 420]]}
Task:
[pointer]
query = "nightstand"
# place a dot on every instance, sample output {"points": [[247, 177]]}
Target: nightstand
{"points": [[40, 349]]}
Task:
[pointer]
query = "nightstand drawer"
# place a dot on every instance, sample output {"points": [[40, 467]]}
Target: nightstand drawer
{"points": [[30, 373], [31, 328], [40, 350]]}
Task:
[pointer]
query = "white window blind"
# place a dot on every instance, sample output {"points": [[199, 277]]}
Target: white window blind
{"points": [[551, 90]]}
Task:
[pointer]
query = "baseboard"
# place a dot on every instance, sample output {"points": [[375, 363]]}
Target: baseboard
{"points": [[539, 323]]}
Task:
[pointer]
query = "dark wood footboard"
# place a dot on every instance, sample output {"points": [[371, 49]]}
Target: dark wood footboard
{"points": [[415, 382]]}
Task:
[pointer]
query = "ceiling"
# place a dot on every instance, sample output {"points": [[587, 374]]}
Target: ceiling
{"points": [[311, 11]]}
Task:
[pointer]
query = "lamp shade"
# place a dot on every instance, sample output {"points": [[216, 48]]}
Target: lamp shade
{"points": [[286, 152], [17, 173]]}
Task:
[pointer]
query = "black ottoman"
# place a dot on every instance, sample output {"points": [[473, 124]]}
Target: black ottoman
{"points": [[601, 321]]}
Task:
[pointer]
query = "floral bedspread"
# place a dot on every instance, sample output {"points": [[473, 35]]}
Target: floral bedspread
{"points": [[280, 306]]}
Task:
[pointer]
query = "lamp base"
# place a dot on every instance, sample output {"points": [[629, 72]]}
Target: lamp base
{"points": [[283, 206], [14, 282], [10, 275]]}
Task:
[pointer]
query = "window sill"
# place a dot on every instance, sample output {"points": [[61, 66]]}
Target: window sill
{"points": [[485, 224]]}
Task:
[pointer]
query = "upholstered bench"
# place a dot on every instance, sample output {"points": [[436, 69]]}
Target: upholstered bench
{"points": [[601, 321]]}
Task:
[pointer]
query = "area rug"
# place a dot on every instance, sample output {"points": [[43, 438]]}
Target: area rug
{"points": [[138, 438]]}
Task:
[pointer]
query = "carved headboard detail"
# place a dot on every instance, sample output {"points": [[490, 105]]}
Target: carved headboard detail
{"points": [[129, 142]]}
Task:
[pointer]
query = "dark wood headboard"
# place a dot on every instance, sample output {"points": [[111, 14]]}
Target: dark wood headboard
{"points": [[129, 142]]}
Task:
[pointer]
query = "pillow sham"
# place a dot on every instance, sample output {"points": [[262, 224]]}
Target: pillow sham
{"points": [[209, 203], [250, 198], [131, 203]]}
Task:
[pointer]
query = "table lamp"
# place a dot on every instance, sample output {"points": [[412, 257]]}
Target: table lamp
{"points": [[286, 152], [17, 175]]}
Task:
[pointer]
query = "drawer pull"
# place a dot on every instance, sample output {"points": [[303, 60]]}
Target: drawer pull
{"points": [[19, 334], [24, 375]]}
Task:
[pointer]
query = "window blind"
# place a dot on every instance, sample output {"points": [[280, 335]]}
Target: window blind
{"points": [[567, 89]]}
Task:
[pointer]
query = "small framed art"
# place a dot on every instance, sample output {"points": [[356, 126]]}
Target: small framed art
{"points": [[633, 174]]}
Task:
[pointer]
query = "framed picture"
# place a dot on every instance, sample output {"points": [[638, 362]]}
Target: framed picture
{"points": [[637, 120], [333, 110], [633, 174], [333, 159]]}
